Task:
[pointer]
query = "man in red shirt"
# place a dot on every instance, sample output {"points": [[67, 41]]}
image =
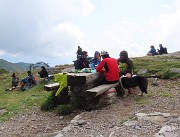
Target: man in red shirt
{"points": [[110, 68]]}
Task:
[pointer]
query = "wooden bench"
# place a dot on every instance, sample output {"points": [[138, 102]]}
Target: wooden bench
{"points": [[93, 92], [51, 87]]}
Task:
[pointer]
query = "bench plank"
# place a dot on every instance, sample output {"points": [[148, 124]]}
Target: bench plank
{"points": [[100, 89], [51, 87]]}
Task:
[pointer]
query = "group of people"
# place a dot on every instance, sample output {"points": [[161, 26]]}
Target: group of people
{"points": [[29, 81], [160, 51], [111, 68]]}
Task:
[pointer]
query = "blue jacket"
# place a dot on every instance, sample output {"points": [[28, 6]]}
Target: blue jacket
{"points": [[95, 62], [153, 51]]}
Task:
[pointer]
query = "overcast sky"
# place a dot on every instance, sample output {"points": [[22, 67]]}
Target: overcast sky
{"points": [[50, 30]]}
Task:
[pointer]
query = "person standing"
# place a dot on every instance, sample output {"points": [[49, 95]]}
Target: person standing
{"points": [[79, 52], [110, 69], [82, 62]]}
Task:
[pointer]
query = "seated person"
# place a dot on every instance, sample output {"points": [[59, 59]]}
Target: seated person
{"points": [[96, 60], [109, 67], [44, 74], [14, 83], [162, 50], [28, 81], [82, 62], [125, 65], [152, 52]]}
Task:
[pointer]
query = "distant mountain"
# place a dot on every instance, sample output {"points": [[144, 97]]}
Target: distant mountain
{"points": [[13, 67]]}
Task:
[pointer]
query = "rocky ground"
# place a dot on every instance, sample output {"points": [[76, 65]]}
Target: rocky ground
{"points": [[131, 116]]}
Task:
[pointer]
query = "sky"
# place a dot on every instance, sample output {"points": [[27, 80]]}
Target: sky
{"points": [[51, 30]]}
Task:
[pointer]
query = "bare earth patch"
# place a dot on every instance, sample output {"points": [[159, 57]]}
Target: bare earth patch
{"points": [[163, 97]]}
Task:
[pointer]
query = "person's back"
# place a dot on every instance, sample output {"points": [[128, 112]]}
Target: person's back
{"points": [[82, 62], [110, 68]]}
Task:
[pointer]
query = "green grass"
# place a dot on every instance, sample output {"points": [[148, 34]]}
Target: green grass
{"points": [[141, 100], [158, 65], [17, 101]]}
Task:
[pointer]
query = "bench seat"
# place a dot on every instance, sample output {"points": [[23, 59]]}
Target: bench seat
{"points": [[51, 87], [100, 89]]}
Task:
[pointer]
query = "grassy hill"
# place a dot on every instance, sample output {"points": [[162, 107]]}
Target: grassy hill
{"points": [[13, 67], [165, 67]]}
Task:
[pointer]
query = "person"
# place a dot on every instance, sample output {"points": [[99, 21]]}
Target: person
{"points": [[96, 60], [82, 62], [14, 83], [44, 74], [79, 52], [110, 69], [125, 64], [28, 81], [152, 52], [162, 50]]}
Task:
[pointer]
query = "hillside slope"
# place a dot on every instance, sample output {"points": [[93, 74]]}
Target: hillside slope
{"points": [[13, 67]]}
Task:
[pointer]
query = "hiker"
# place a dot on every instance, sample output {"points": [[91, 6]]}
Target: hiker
{"points": [[110, 69], [125, 65], [96, 60], [14, 83], [28, 81], [162, 50], [44, 74], [82, 62], [79, 52], [152, 52]]}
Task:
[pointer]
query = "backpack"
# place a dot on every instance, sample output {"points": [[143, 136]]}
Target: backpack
{"points": [[165, 51]]}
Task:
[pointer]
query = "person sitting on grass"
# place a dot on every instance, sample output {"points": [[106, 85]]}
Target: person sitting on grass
{"points": [[27, 82], [14, 82], [44, 74]]}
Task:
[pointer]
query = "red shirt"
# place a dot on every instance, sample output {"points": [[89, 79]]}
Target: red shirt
{"points": [[110, 67]]}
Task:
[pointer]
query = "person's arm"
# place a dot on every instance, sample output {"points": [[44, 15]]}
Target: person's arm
{"points": [[129, 67], [101, 66]]}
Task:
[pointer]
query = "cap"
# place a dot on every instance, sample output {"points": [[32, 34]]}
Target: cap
{"points": [[104, 53]]}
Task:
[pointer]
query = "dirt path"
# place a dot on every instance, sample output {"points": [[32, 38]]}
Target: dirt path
{"points": [[165, 97]]}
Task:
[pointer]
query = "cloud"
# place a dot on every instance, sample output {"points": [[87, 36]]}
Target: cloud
{"points": [[41, 28]]}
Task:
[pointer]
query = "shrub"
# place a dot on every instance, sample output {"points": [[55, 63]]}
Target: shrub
{"points": [[48, 104], [64, 109]]}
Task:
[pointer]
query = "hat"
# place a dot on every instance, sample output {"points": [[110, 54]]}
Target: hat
{"points": [[104, 53]]}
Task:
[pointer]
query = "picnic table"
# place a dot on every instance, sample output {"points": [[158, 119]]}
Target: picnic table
{"points": [[82, 85]]}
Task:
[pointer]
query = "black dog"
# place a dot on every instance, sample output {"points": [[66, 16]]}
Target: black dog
{"points": [[134, 81]]}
